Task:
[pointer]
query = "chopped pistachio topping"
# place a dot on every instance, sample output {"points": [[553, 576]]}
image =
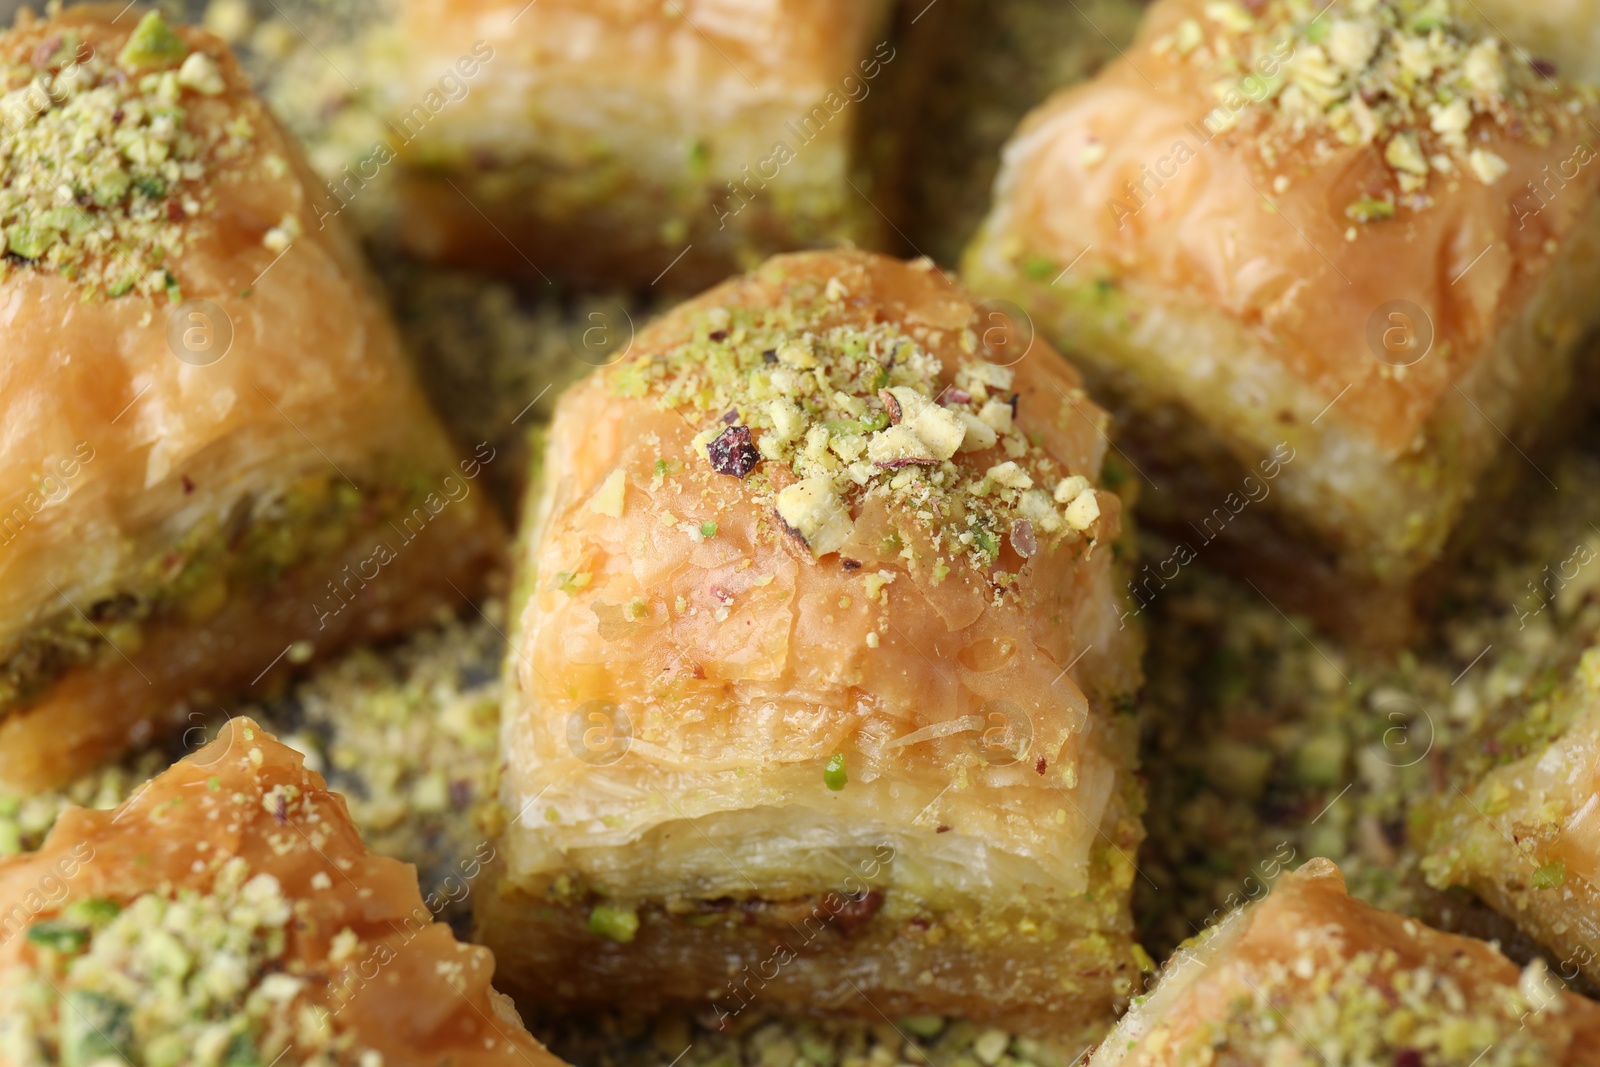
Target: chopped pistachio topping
{"points": [[1550, 876], [1415, 79], [170, 978], [835, 415], [816, 514], [608, 499], [153, 45], [1367, 1009], [99, 168], [1367, 210], [834, 775], [614, 922]]}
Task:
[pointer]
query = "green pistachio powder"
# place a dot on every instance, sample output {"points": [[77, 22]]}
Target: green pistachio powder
{"points": [[169, 979], [1407, 76], [100, 168], [856, 414]]}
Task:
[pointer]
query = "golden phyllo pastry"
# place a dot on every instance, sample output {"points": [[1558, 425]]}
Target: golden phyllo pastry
{"points": [[1292, 243], [1518, 820], [604, 139], [228, 913], [817, 693], [214, 460], [1310, 976]]}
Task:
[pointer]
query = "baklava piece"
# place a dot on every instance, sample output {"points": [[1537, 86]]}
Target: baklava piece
{"points": [[818, 693], [407, 734], [601, 140], [215, 461], [228, 913], [1310, 975], [1517, 820], [1320, 260]]}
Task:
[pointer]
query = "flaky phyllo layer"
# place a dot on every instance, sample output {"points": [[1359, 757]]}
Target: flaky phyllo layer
{"points": [[244, 553], [822, 585], [1519, 822], [241, 553], [610, 141]]}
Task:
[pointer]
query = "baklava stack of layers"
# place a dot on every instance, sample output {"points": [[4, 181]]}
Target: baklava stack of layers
{"points": [[1296, 246], [815, 697], [632, 141], [214, 461]]}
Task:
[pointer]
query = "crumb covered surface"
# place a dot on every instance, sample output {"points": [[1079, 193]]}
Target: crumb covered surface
{"points": [[114, 140], [1411, 77], [228, 912], [111, 976], [407, 734], [1308, 974], [1275, 743], [1253, 729], [852, 411]]}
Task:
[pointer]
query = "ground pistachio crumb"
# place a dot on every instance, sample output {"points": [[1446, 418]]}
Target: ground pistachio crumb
{"points": [[613, 921], [1373, 1012], [1422, 81], [169, 978], [153, 45], [834, 775], [100, 170], [854, 413]]}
